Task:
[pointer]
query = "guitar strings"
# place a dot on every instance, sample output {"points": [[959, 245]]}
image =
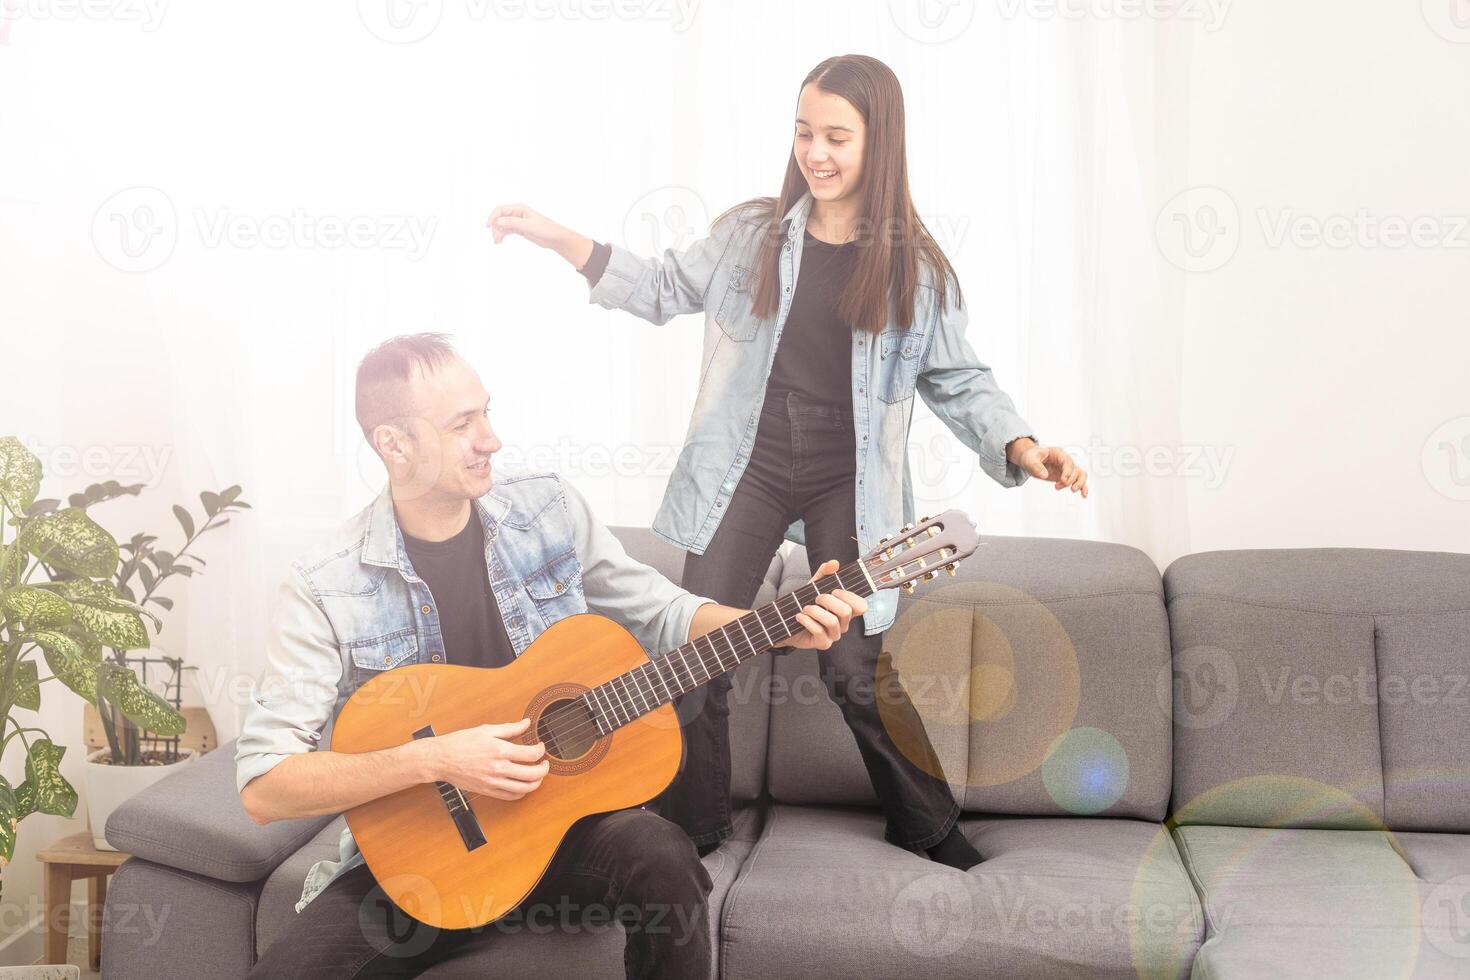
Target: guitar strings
{"points": [[585, 721]]}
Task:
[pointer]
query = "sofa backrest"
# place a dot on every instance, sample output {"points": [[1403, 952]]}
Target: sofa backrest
{"points": [[1322, 688], [1036, 672], [748, 698]]}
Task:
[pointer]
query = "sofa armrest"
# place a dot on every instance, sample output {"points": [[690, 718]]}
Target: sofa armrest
{"points": [[193, 820]]}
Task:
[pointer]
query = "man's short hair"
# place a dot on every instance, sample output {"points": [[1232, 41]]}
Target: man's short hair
{"points": [[384, 375]]}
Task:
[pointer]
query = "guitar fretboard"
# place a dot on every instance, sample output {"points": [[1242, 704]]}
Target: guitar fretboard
{"points": [[648, 686]]}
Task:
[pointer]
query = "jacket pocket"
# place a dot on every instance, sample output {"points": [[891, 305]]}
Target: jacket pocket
{"points": [[556, 588], [372, 657], [898, 364], [734, 312]]}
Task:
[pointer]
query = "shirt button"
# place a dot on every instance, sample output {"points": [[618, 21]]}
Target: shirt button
{"points": [[426, 609], [559, 587], [436, 658]]}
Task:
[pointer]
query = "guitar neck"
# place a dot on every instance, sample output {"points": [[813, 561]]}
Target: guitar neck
{"points": [[648, 686]]}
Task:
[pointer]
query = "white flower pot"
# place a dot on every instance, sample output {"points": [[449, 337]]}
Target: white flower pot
{"points": [[108, 786]]}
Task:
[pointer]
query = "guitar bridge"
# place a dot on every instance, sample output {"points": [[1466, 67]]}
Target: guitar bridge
{"points": [[464, 818]]}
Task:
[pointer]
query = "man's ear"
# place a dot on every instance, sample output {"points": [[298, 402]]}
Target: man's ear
{"points": [[391, 443]]}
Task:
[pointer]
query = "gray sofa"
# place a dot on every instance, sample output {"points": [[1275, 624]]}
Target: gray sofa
{"points": [[1254, 765]]}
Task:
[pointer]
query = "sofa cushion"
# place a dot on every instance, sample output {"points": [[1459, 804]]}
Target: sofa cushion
{"points": [[1321, 688], [1320, 902], [529, 949], [1037, 673], [192, 819], [822, 894], [748, 699]]}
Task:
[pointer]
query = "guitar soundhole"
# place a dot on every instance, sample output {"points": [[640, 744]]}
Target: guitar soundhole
{"points": [[567, 728]]}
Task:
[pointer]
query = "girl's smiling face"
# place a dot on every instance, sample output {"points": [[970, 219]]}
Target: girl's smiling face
{"points": [[828, 147]]}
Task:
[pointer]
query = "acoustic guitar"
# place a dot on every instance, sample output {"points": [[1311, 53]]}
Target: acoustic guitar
{"points": [[603, 707]]}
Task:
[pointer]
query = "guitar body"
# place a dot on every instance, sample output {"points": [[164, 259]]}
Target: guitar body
{"points": [[413, 841]]}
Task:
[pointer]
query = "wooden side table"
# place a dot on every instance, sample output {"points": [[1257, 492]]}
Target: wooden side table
{"points": [[63, 862]]}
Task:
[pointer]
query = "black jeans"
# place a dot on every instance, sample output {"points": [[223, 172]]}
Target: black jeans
{"points": [[630, 866], [803, 466]]}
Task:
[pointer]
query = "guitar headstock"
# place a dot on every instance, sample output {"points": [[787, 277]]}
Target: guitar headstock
{"points": [[917, 553]]}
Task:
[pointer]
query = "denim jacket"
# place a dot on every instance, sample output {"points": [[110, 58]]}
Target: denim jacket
{"points": [[353, 607], [718, 276]]}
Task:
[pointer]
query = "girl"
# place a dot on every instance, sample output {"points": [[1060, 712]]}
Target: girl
{"points": [[826, 309]]}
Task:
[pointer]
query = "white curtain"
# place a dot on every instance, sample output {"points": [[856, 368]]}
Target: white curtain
{"points": [[177, 275]]}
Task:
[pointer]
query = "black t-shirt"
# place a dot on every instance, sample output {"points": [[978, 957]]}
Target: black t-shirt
{"points": [[814, 357], [469, 617]]}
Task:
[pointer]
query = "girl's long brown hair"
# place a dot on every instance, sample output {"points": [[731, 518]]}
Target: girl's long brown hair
{"points": [[892, 238]]}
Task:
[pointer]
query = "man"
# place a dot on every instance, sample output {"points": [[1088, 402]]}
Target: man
{"points": [[443, 569]]}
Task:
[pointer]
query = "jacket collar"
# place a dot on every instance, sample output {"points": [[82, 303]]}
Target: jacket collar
{"points": [[383, 542], [795, 219]]}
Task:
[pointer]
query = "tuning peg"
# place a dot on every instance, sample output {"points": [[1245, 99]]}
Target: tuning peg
{"points": [[906, 528], [931, 576], [908, 588], [933, 531], [950, 569]]}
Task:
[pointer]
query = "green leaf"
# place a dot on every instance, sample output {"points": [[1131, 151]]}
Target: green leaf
{"points": [[36, 607], [25, 800], [91, 646], [211, 502], [7, 822], [54, 795], [185, 521], [73, 542], [74, 664], [27, 686], [104, 614], [119, 630], [140, 705], [162, 600], [20, 475], [12, 564]]}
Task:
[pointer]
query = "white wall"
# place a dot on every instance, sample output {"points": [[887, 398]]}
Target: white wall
{"points": [[1326, 370], [1291, 391]]}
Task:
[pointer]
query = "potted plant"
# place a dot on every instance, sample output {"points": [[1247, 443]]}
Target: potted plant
{"points": [[69, 615], [136, 758]]}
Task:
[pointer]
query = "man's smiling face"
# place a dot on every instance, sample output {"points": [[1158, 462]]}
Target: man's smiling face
{"points": [[450, 439]]}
